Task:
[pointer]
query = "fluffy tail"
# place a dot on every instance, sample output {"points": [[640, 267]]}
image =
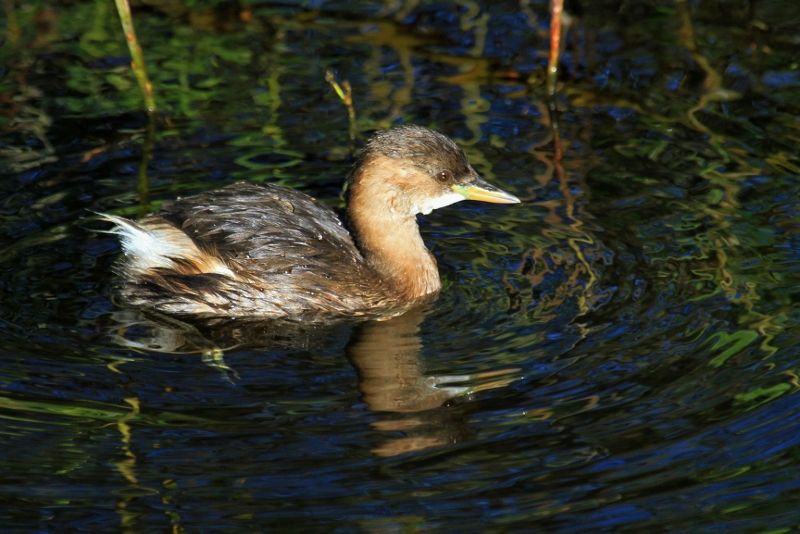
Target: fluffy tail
{"points": [[155, 244]]}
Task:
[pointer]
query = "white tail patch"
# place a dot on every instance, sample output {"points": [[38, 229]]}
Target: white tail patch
{"points": [[156, 244]]}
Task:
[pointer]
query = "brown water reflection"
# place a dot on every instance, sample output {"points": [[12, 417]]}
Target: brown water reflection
{"points": [[392, 379], [411, 404]]}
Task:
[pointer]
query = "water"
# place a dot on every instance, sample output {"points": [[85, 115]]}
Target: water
{"points": [[618, 352]]}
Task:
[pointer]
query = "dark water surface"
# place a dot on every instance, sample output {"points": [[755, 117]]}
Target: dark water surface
{"points": [[620, 351]]}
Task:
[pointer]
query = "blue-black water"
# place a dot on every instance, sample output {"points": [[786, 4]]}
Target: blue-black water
{"points": [[620, 351]]}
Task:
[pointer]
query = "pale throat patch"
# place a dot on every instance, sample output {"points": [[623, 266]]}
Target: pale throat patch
{"points": [[435, 203]]}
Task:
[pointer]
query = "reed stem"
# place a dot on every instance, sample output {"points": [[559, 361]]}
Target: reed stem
{"points": [[556, 11], [137, 56], [345, 94]]}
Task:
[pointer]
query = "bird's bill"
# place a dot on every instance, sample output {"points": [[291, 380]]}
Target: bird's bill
{"points": [[482, 191]]}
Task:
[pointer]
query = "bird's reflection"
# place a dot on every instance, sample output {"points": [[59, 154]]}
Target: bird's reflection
{"points": [[409, 404], [411, 407]]}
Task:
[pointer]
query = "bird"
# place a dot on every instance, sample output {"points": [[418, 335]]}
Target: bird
{"points": [[262, 252]]}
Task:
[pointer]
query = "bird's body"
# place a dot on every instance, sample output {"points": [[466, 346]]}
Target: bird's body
{"points": [[270, 252], [255, 251]]}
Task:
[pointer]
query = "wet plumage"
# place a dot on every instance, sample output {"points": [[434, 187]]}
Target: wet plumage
{"points": [[270, 252]]}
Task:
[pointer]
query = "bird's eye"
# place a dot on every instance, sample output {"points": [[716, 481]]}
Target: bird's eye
{"points": [[445, 176]]}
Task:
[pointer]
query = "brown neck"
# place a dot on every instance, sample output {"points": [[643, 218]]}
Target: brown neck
{"points": [[387, 234]]}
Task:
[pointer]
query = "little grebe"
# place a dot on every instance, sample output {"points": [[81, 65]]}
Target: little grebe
{"points": [[269, 252]]}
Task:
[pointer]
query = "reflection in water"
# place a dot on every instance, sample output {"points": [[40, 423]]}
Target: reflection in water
{"points": [[386, 354], [392, 380], [651, 275]]}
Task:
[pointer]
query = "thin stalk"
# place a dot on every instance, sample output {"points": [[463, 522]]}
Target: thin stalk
{"points": [[345, 94], [137, 57], [556, 10]]}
